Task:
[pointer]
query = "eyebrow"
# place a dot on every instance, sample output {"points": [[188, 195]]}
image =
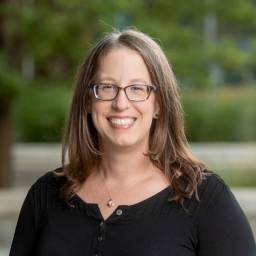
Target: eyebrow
{"points": [[109, 79], [138, 80], [133, 81]]}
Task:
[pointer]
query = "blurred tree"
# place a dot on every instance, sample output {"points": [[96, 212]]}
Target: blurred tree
{"points": [[56, 33], [9, 84]]}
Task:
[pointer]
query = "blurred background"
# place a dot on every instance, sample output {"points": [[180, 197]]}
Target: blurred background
{"points": [[210, 44]]}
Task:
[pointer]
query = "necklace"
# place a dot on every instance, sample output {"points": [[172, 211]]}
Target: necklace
{"points": [[110, 201]]}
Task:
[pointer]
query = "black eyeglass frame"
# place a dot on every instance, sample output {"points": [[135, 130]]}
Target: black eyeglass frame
{"points": [[150, 88]]}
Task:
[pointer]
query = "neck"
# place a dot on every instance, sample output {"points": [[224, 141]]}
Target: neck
{"points": [[124, 165]]}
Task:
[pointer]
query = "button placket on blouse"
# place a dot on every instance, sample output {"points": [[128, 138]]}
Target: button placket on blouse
{"points": [[102, 230], [100, 238]]}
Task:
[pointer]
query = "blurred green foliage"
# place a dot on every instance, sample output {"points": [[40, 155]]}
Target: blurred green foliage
{"points": [[238, 178], [10, 81], [226, 114], [40, 111], [58, 33]]}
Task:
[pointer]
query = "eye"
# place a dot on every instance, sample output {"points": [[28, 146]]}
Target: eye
{"points": [[137, 87], [106, 87]]}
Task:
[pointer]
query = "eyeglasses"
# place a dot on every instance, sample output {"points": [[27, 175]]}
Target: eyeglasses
{"points": [[136, 92]]}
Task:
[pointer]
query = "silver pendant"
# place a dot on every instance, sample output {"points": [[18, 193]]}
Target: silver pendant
{"points": [[110, 203]]}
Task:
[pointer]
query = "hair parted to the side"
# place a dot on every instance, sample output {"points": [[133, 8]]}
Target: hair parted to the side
{"points": [[167, 141]]}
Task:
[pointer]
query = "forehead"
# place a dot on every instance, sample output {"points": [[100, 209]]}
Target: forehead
{"points": [[123, 65]]}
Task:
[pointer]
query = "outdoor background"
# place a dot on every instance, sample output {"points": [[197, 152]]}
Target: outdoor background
{"points": [[211, 46]]}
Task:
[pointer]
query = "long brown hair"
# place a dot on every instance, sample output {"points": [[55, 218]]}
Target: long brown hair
{"points": [[167, 151]]}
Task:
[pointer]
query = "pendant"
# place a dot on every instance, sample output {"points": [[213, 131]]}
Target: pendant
{"points": [[110, 203]]}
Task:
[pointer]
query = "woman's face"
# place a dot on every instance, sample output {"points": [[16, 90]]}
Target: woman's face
{"points": [[121, 122]]}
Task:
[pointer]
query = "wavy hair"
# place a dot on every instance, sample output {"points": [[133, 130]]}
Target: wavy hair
{"points": [[167, 151]]}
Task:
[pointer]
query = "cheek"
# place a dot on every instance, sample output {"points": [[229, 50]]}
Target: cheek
{"points": [[147, 114], [97, 111]]}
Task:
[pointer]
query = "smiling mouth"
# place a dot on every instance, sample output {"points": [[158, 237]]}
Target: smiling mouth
{"points": [[124, 121]]}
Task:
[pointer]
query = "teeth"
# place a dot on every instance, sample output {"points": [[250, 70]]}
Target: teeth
{"points": [[121, 121]]}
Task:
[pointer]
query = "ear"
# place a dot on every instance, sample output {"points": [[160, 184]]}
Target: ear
{"points": [[157, 109]]}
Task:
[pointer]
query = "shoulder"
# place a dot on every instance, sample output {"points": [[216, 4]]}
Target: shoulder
{"points": [[49, 180], [221, 227], [44, 193], [211, 189]]}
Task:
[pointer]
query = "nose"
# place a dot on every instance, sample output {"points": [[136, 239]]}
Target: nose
{"points": [[121, 102]]}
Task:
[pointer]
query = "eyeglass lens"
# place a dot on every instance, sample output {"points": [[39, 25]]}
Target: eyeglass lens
{"points": [[134, 92]]}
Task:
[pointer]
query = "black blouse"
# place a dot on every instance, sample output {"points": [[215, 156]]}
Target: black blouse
{"points": [[214, 227]]}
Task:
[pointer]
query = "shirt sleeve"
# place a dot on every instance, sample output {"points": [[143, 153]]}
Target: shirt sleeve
{"points": [[24, 236], [223, 229]]}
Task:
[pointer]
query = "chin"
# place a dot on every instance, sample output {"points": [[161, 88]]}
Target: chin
{"points": [[124, 143], [129, 142], [123, 140]]}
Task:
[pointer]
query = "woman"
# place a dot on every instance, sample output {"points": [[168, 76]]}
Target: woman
{"points": [[129, 185]]}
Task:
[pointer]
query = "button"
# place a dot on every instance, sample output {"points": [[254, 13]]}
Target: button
{"points": [[101, 223], [119, 212], [99, 238]]}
